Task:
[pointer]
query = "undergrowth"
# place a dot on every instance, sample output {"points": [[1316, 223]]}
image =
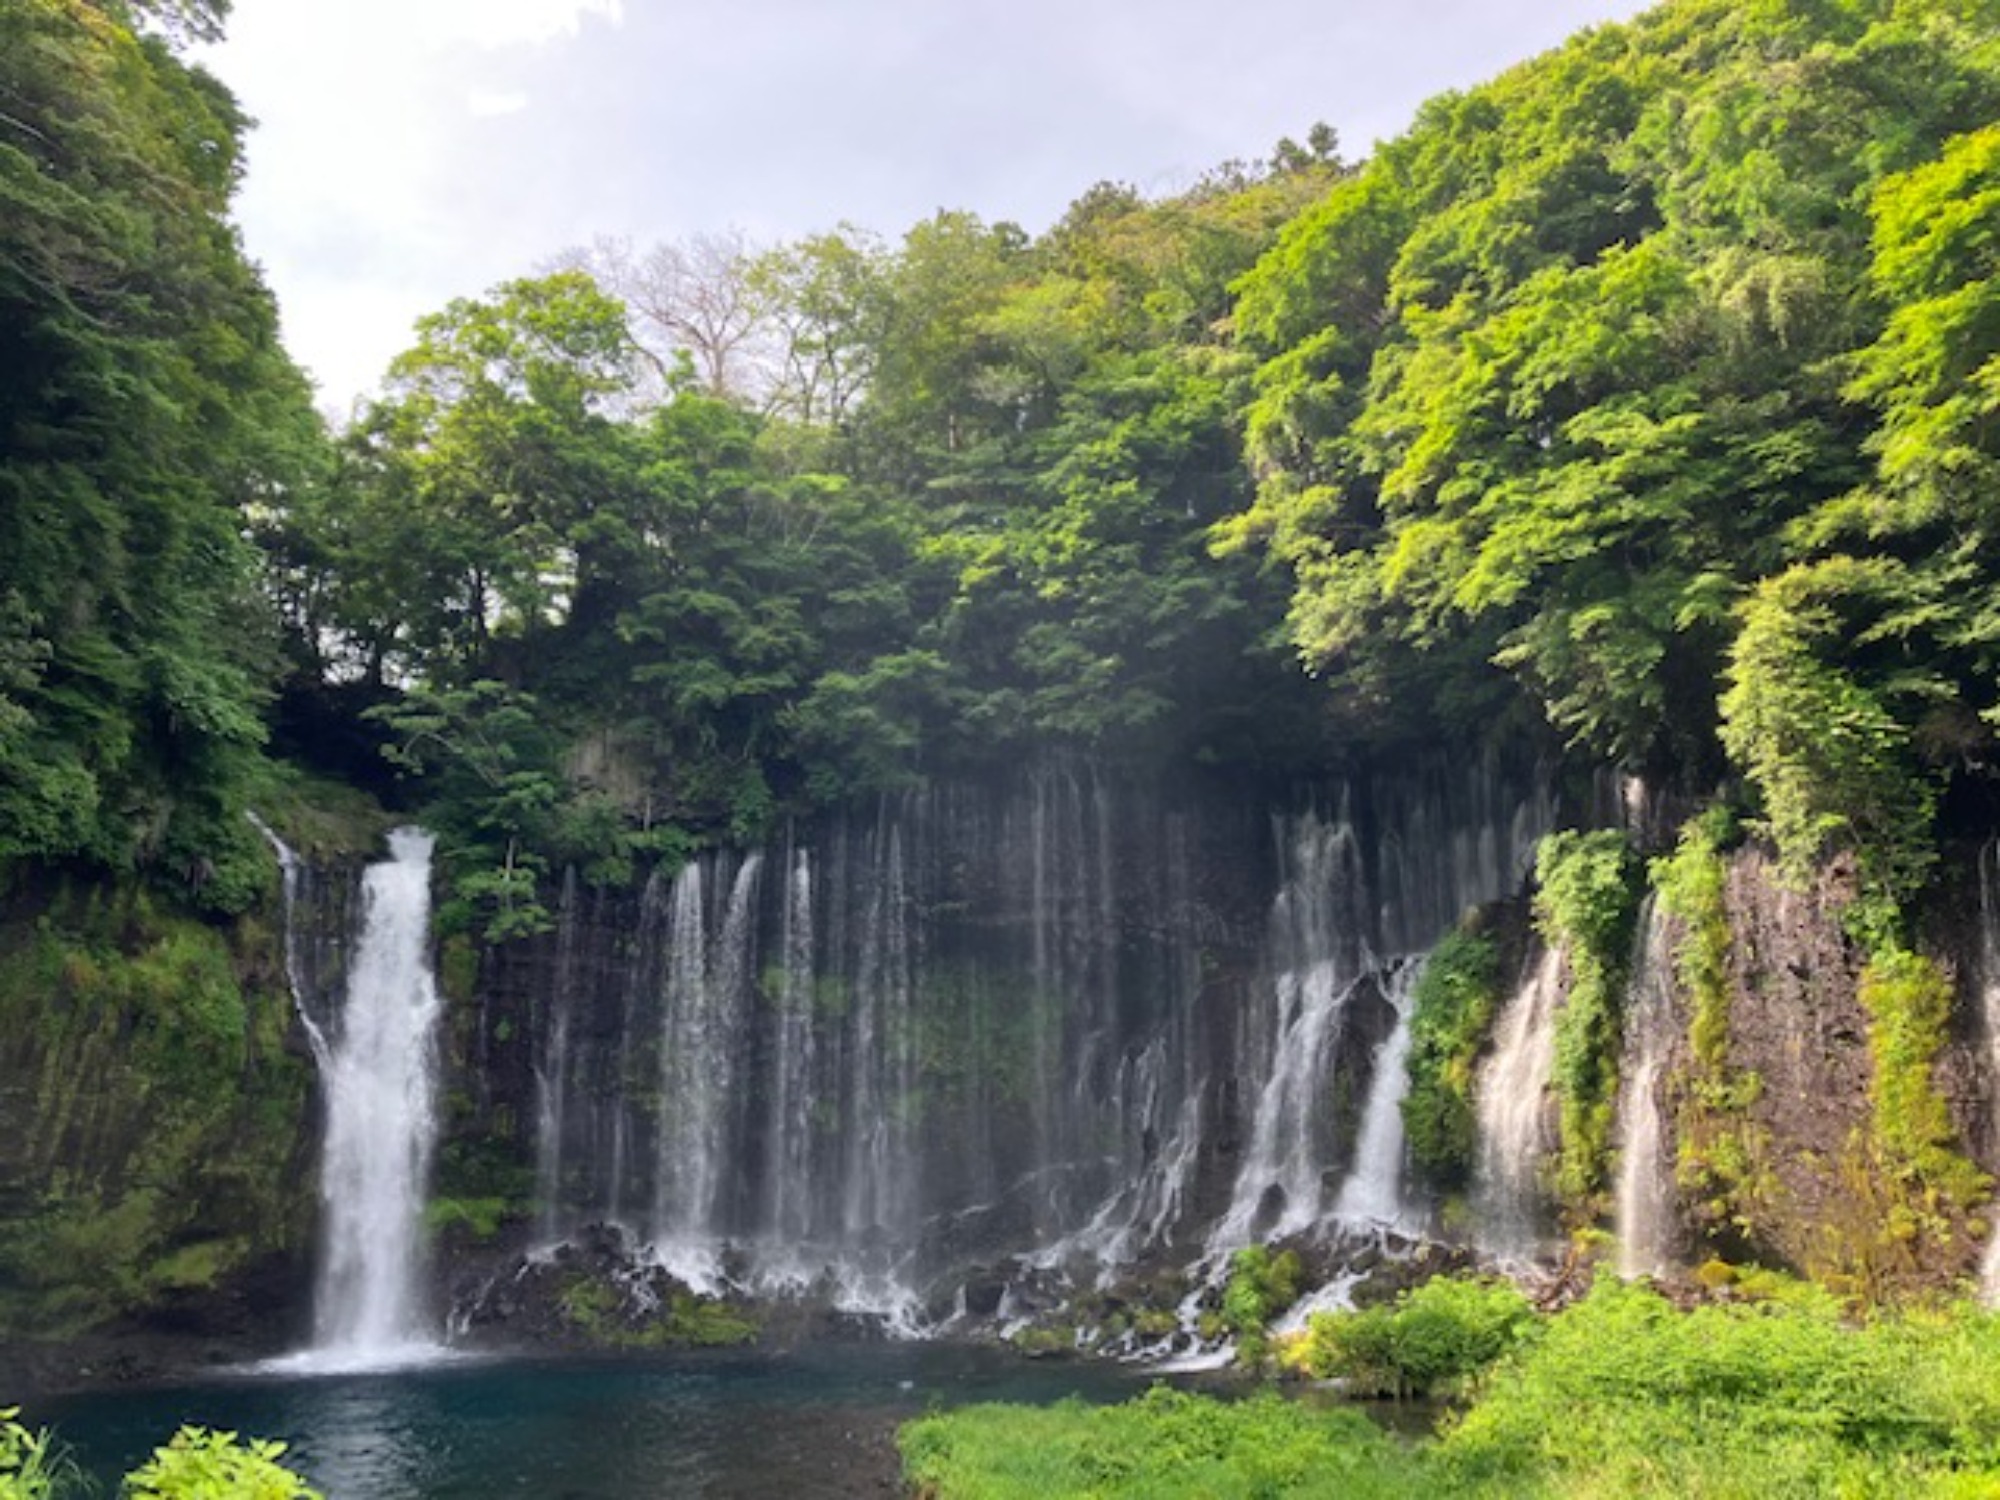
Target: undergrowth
{"points": [[1777, 1394]]}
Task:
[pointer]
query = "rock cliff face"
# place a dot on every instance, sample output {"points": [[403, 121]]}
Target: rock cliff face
{"points": [[155, 1124], [1776, 1155], [1040, 1030]]}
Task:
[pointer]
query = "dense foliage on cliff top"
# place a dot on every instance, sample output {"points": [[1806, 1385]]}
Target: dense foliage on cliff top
{"points": [[1644, 396]]}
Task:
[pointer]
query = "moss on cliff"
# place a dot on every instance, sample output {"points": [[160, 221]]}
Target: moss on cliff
{"points": [[154, 1115], [1453, 1009], [1723, 1161], [1584, 904]]}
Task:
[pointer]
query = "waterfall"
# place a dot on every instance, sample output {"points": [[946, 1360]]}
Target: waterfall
{"points": [[706, 996], [1059, 1019], [552, 1070], [876, 1183], [1514, 1136], [292, 877], [1318, 967], [380, 1082], [1373, 1191], [790, 1131], [1989, 998], [1358, 900], [1645, 1205]]}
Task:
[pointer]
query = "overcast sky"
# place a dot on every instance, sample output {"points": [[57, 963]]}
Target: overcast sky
{"points": [[412, 151]]}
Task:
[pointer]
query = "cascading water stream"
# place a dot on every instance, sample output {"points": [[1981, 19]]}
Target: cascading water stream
{"points": [[1989, 997], [1513, 1113], [380, 1083], [790, 1174], [1317, 972], [1373, 1191], [971, 1026], [552, 1071], [291, 871], [707, 995], [1645, 1170]]}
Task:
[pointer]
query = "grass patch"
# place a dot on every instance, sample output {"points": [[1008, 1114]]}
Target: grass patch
{"points": [[1164, 1444], [1620, 1395]]}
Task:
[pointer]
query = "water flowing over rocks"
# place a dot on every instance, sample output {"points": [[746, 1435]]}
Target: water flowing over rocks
{"points": [[1066, 1024]]}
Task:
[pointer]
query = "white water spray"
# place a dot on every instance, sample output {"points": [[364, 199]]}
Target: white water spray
{"points": [[380, 1078], [1645, 1171], [1513, 1113], [1989, 999], [1373, 1192]]}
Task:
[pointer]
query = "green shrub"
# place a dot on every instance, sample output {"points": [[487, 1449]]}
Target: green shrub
{"points": [[1432, 1341], [1261, 1285], [27, 1464], [1624, 1395], [1451, 1012], [1824, 735], [202, 1465]]}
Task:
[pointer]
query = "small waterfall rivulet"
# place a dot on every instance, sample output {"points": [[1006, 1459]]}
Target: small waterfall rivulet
{"points": [[1373, 1191], [1319, 965], [552, 1068], [1644, 1216], [1513, 1109], [1989, 997], [380, 1083]]}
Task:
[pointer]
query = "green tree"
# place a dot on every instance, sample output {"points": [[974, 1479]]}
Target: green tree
{"points": [[141, 403]]}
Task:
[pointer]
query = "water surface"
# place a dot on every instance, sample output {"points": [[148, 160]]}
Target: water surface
{"points": [[817, 1422]]}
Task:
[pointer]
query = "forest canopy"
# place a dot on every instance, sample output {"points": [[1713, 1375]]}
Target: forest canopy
{"points": [[1642, 400]]}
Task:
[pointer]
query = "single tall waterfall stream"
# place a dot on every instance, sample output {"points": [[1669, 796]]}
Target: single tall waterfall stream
{"points": [[1513, 1106], [1645, 1168], [1989, 995], [1373, 1192], [378, 1074]]}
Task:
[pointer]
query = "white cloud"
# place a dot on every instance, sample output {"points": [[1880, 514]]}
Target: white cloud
{"points": [[374, 118], [397, 164], [484, 105], [501, 23]]}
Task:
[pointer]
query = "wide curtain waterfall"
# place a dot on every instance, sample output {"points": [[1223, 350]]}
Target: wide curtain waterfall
{"points": [[1069, 1017]]}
